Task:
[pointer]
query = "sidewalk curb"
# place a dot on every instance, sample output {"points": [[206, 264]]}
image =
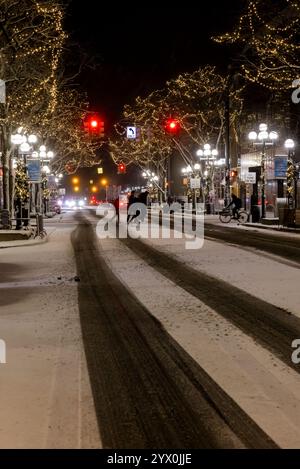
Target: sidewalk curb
{"points": [[271, 228], [26, 243]]}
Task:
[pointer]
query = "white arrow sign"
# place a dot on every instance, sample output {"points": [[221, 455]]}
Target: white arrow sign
{"points": [[131, 133]]}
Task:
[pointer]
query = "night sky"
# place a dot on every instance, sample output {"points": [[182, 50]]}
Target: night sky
{"points": [[137, 48]]}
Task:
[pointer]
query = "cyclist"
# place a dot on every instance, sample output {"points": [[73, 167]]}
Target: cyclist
{"points": [[236, 204]]}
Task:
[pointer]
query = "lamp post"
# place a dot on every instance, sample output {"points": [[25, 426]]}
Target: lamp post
{"points": [[45, 157], [193, 173], [264, 138], [208, 155], [291, 175], [24, 147], [153, 181]]}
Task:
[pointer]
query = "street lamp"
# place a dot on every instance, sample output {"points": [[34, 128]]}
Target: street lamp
{"points": [[152, 177], [32, 139], [25, 147], [264, 138], [192, 175], [208, 155], [17, 139], [289, 144], [46, 169]]}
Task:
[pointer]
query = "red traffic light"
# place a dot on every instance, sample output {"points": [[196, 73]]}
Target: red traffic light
{"points": [[94, 126], [172, 126], [121, 168]]}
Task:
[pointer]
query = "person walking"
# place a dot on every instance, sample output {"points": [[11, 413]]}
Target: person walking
{"points": [[117, 208], [131, 200]]}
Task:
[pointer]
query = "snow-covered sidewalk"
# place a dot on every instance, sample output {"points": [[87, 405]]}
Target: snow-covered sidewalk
{"points": [[45, 395]]}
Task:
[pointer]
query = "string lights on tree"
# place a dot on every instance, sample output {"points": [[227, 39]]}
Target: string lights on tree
{"points": [[38, 97], [268, 35], [195, 102]]}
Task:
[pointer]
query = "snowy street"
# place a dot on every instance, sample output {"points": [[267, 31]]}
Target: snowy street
{"points": [[122, 343]]}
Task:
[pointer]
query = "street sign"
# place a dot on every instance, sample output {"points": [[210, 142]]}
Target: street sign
{"points": [[250, 178], [195, 183], [131, 133], [34, 170], [2, 92], [280, 167]]}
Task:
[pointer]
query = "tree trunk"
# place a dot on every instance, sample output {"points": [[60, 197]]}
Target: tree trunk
{"points": [[11, 186], [5, 169]]}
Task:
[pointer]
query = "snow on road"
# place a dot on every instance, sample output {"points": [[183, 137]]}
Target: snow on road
{"points": [[259, 382], [265, 278], [45, 395]]}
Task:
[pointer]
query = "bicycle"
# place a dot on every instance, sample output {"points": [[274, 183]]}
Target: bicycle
{"points": [[227, 215]]}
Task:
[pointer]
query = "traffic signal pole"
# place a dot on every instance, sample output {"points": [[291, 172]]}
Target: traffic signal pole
{"points": [[227, 143], [169, 192]]}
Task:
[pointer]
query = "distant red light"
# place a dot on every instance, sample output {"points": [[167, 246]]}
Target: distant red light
{"points": [[121, 168], [172, 126]]}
